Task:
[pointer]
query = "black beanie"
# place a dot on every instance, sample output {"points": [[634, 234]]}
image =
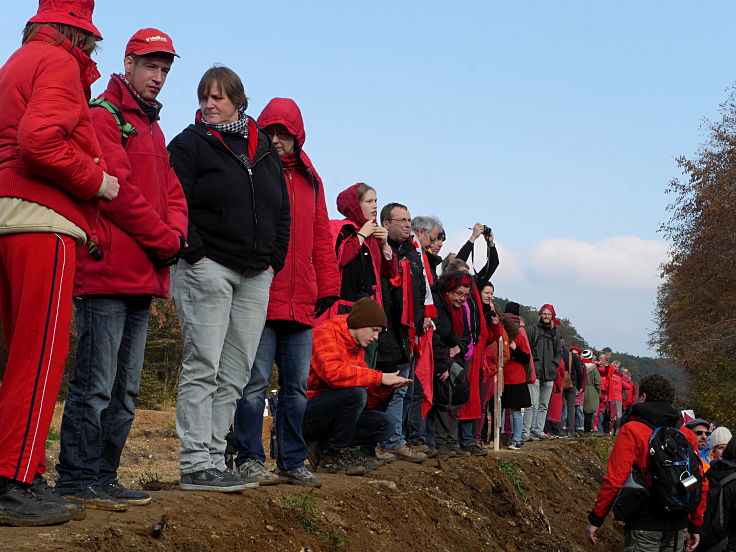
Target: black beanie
{"points": [[511, 308], [366, 313]]}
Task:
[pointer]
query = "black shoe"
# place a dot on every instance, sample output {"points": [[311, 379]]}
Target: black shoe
{"points": [[299, 476], [313, 454], [92, 498], [341, 461], [21, 508], [475, 450], [41, 489], [458, 451], [445, 453], [214, 480], [131, 496], [366, 460]]}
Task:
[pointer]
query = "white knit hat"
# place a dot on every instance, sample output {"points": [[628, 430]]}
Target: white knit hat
{"points": [[720, 436]]}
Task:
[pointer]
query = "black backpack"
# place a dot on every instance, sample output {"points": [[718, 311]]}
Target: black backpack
{"points": [[716, 521], [677, 484]]}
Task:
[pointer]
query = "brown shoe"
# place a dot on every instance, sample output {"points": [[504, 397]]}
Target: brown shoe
{"points": [[385, 456], [408, 454], [420, 448]]}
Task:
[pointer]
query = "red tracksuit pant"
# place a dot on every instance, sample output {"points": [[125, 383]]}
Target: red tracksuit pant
{"points": [[36, 276]]}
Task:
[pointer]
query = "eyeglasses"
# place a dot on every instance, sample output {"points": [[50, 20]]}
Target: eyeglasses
{"points": [[280, 134], [700, 432], [402, 220]]}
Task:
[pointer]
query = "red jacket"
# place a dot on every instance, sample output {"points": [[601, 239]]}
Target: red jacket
{"points": [[49, 153], [616, 385], [310, 271], [338, 361], [513, 370], [631, 448], [150, 213]]}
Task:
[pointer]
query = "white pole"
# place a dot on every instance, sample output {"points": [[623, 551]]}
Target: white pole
{"points": [[498, 388]]}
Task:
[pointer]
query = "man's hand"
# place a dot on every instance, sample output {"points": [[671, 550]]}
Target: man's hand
{"points": [[691, 542], [427, 324], [271, 270], [454, 351], [111, 185], [444, 375], [512, 345], [393, 379], [477, 231], [590, 533]]}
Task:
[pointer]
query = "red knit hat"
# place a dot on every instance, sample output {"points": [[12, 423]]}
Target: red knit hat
{"points": [[147, 41], [77, 13], [551, 309]]}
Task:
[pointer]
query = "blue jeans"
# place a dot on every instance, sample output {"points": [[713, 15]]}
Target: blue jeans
{"points": [[416, 428], [100, 404], [466, 432], [289, 344], [517, 423], [395, 410], [579, 417]]}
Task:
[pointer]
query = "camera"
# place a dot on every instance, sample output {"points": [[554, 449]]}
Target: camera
{"points": [[487, 231]]}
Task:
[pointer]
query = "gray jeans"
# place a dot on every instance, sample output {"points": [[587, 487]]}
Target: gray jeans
{"points": [[536, 414], [222, 313], [653, 541]]}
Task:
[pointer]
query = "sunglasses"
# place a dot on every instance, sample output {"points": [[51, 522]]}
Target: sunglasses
{"points": [[700, 432]]}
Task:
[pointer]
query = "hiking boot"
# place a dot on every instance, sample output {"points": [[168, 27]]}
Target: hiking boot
{"points": [[431, 453], [93, 498], [406, 453], [458, 451], [341, 461], [255, 470], [298, 476], [384, 455], [537, 437], [42, 490], [515, 445], [131, 496], [313, 454], [475, 450], [445, 453], [365, 459], [21, 508], [215, 480], [419, 448]]}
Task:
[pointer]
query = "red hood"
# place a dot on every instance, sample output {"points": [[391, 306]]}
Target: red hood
{"points": [[348, 203], [284, 111]]}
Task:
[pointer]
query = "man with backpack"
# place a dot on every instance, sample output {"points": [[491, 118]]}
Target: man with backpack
{"points": [[719, 526], [667, 512], [142, 233]]}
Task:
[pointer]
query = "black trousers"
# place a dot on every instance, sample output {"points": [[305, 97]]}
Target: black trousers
{"points": [[337, 418]]}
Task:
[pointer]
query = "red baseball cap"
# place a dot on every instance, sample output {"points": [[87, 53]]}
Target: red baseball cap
{"points": [[147, 41]]}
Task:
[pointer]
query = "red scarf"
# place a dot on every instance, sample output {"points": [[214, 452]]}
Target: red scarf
{"points": [[292, 160]]}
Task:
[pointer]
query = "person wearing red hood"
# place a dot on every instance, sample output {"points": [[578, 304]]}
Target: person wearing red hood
{"points": [[649, 527], [363, 252], [544, 341], [145, 227], [51, 176], [307, 286]]}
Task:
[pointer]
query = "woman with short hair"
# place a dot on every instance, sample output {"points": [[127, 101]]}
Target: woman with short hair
{"points": [[238, 238]]}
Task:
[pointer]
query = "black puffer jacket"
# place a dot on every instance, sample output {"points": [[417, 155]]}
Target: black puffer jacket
{"points": [[238, 216], [718, 471], [546, 350]]}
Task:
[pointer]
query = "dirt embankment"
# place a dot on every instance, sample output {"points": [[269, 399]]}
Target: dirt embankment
{"points": [[532, 500]]}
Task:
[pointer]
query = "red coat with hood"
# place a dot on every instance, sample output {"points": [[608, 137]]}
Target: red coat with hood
{"points": [[49, 153], [616, 385], [310, 271], [148, 217]]}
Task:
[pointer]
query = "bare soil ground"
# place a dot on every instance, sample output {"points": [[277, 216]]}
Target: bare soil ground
{"points": [[527, 501]]}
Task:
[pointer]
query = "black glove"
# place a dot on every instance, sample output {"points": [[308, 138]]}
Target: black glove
{"points": [[324, 303], [163, 263]]}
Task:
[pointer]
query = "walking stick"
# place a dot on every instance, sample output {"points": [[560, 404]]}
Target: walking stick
{"points": [[498, 387]]}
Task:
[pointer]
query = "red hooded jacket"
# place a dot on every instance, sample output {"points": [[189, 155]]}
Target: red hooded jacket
{"points": [[310, 271], [49, 153], [149, 215]]}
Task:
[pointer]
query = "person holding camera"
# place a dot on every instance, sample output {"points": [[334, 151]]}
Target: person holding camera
{"points": [[484, 274]]}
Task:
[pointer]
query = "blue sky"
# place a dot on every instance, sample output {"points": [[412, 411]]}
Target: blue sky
{"points": [[556, 123]]}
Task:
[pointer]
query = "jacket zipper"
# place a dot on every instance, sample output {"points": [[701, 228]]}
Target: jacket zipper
{"points": [[252, 187], [293, 249]]}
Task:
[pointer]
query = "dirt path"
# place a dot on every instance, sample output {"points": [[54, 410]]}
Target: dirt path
{"points": [[532, 500]]}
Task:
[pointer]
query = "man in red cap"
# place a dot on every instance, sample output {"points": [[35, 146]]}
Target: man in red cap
{"points": [[144, 229], [51, 176]]}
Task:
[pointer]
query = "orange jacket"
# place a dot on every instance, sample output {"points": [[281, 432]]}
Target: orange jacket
{"points": [[338, 361]]}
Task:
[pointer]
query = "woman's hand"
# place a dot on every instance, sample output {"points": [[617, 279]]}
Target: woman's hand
{"points": [[477, 231], [380, 234], [444, 375], [454, 351], [367, 230], [512, 346]]}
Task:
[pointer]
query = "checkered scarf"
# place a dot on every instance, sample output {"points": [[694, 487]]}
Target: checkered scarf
{"points": [[239, 127]]}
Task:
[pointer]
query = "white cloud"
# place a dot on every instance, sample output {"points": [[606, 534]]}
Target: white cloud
{"points": [[618, 262]]}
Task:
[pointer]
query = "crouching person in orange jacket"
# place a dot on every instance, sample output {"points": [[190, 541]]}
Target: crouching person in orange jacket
{"points": [[340, 425]]}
